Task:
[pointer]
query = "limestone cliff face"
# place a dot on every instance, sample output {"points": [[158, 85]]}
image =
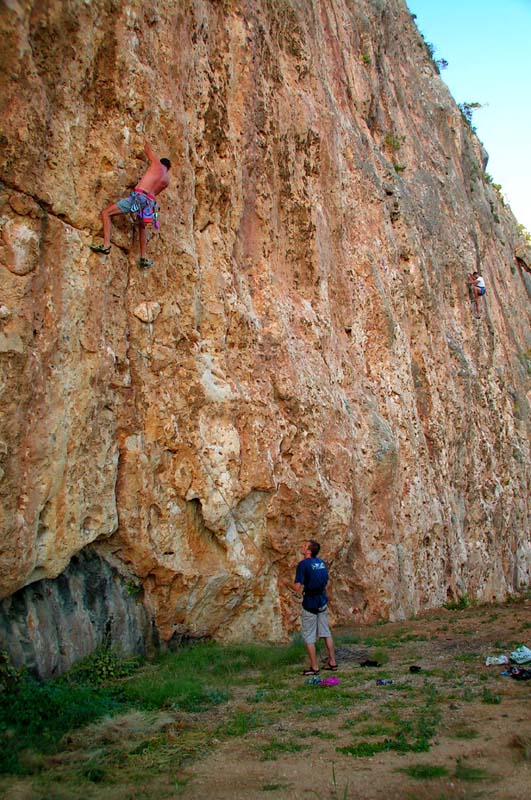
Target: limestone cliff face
{"points": [[303, 360]]}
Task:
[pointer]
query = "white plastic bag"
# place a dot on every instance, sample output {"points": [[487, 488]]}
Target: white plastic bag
{"points": [[496, 660]]}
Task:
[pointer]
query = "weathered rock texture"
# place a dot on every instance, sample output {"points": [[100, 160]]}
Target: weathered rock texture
{"points": [[51, 623], [303, 360]]}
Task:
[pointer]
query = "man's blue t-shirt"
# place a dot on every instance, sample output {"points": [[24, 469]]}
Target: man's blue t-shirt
{"points": [[313, 575]]}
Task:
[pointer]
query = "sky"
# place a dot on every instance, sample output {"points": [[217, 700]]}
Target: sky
{"points": [[487, 44]]}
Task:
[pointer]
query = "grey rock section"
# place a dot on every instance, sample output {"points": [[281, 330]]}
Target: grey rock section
{"points": [[50, 624]]}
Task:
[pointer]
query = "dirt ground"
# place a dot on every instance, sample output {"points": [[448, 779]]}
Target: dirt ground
{"points": [[485, 722], [456, 729]]}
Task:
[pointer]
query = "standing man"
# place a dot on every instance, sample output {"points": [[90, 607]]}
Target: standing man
{"points": [[140, 202], [477, 286], [311, 577]]}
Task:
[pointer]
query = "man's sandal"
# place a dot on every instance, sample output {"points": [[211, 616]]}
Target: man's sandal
{"points": [[145, 263], [99, 248], [311, 671], [331, 667]]}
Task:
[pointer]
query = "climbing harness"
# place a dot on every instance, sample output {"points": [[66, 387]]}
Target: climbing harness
{"points": [[144, 208]]}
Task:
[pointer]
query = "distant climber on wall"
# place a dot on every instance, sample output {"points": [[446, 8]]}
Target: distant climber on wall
{"points": [[477, 289], [141, 204]]}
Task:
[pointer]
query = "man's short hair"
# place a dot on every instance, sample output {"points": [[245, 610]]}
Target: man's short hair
{"points": [[314, 547], [166, 162]]}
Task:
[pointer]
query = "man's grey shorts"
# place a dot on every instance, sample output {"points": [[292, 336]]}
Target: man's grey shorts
{"points": [[314, 626]]}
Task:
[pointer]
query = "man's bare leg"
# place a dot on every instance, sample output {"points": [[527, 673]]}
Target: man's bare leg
{"points": [[310, 648], [329, 642], [106, 215], [144, 262], [142, 239], [476, 300]]}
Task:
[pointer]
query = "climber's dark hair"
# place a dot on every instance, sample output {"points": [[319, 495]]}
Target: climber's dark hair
{"points": [[314, 547], [166, 162]]}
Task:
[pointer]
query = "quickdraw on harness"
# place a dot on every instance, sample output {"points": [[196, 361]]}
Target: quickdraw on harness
{"points": [[144, 208]]}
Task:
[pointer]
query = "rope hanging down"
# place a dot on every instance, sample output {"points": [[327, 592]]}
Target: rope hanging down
{"points": [[237, 524]]}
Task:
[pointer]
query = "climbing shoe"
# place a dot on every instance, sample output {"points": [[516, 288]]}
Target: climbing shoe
{"points": [[146, 263], [99, 248]]}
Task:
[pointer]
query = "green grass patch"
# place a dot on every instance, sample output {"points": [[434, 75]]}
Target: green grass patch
{"points": [[458, 605], [380, 655], [422, 772], [465, 733], [358, 719], [242, 722], [410, 738], [398, 687], [359, 697], [414, 637], [277, 747], [346, 638], [468, 696], [467, 657], [397, 702], [314, 712], [158, 690], [377, 729], [390, 642], [303, 696], [465, 773], [488, 697], [179, 784], [260, 696], [409, 735], [93, 773], [102, 666], [522, 745], [215, 663], [364, 749], [195, 678]]}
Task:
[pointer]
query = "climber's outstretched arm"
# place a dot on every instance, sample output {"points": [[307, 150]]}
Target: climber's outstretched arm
{"points": [[149, 152]]}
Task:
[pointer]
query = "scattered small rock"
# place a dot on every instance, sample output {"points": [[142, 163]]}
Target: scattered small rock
{"points": [[25, 206]]}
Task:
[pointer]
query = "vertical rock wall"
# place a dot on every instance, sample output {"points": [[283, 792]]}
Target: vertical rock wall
{"points": [[52, 623], [303, 360]]}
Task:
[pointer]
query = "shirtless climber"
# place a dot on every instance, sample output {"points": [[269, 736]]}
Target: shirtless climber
{"points": [[140, 203], [477, 286]]}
